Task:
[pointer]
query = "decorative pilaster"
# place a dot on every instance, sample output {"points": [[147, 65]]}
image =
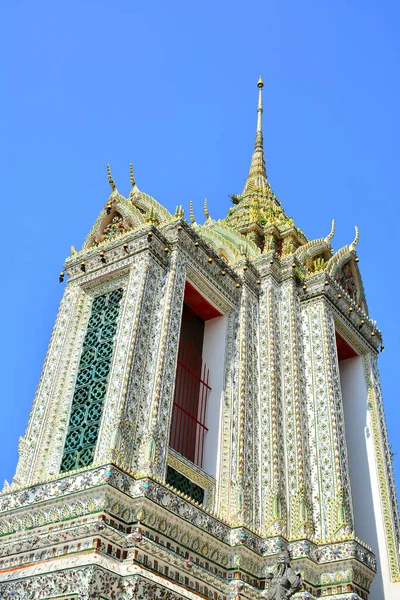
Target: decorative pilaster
{"points": [[296, 438], [332, 508], [248, 435], [154, 444], [273, 497], [136, 410]]}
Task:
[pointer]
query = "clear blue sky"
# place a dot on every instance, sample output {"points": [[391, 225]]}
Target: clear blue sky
{"points": [[171, 87]]}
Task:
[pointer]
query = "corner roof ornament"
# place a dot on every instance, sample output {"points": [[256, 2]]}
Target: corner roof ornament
{"points": [[355, 241], [332, 233]]}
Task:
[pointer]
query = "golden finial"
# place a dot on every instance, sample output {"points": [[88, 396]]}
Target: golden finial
{"points": [[131, 175], [191, 212], [355, 241], [73, 251], [207, 214], [260, 83], [179, 212], [110, 179], [150, 216], [332, 233]]}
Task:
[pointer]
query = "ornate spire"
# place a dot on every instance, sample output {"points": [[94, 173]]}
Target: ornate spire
{"points": [[257, 180]]}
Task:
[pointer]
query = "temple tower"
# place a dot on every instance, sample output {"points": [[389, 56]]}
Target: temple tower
{"points": [[210, 397]]}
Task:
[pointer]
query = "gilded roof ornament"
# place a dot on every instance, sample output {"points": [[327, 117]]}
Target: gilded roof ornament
{"points": [[151, 216], [332, 233], [355, 241], [179, 212], [110, 178], [191, 212]]}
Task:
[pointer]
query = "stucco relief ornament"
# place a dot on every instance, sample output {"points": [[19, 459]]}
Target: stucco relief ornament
{"points": [[283, 581]]}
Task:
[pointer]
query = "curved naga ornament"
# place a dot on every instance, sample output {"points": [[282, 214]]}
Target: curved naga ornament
{"points": [[283, 581], [355, 241]]}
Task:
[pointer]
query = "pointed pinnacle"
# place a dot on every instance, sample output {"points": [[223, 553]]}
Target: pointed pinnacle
{"points": [[260, 83], [257, 177], [131, 175], [110, 179], [207, 214], [191, 212]]}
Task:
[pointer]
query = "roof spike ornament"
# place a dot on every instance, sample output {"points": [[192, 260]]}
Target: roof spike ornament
{"points": [[151, 216], [332, 233], [206, 213], [355, 241], [110, 178], [179, 212], [131, 175], [191, 212]]}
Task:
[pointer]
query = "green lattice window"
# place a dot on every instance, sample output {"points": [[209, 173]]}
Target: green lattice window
{"points": [[184, 485], [91, 382]]}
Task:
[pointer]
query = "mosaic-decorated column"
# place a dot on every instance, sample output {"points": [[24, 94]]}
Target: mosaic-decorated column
{"points": [[273, 497], [332, 507], [154, 440], [299, 501], [136, 408], [239, 488], [248, 467]]}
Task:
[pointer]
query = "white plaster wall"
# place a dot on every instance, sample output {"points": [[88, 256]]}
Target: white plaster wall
{"points": [[368, 515], [214, 357]]}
